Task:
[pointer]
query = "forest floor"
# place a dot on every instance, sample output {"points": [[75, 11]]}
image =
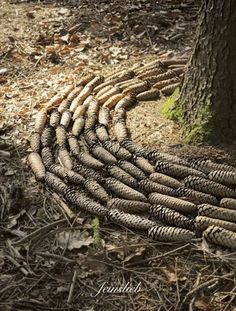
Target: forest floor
{"points": [[48, 262]]}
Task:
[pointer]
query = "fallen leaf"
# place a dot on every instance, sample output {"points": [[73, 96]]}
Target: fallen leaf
{"points": [[138, 29], [112, 19], [30, 14], [24, 112], [65, 50], [136, 255], [74, 239], [126, 253], [92, 264], [74, 38], [115, 250], [202, 305], [172, 275], [13, 219]]}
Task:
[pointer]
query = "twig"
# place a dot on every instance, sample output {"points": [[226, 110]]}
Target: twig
{"points": [[16, 254], [54, 256], [162, 255], [15, 263], [8, 287], [177, 283], [40, 231], [14, 232], [156, 292], [194, 298], [72, 286], [200, 287], [39, 59], [65, 209], [232, 292]]}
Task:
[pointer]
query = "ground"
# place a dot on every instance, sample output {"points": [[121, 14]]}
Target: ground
{"points": [[44, 264]]}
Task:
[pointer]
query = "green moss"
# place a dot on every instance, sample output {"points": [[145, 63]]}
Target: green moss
{"points": [[201, 129], [172, 108], [96, 231]]}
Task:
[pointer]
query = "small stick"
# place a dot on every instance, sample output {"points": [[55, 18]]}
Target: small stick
{"points": [[65, 209], [15, 263], [231, 299], [72, 286], [191, 304], [16, 254], [39, 231], [198, 288], [164, 255], [54, 256]]}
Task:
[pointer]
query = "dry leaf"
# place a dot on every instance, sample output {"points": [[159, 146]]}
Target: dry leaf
{"points": [[136, 255], [171, 275], [13, 219], [202, 305], [74, 38], [30, 14], [92, 264], [65, 50], [24, 112], [126, 253], [115, 250], [112, 19], [74, 239]]}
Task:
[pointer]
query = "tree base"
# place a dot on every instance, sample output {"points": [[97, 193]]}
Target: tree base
{"points": [[201, 129], [170, 108]]}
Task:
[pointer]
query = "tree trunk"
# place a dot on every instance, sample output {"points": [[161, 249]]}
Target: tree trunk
{"points": [[208, 95]]}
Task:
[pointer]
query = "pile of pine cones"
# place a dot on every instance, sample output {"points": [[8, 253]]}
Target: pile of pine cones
{"points": [[169, 198]]}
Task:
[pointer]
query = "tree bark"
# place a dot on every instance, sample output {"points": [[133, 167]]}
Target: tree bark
{"points": [[208, 95]]}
